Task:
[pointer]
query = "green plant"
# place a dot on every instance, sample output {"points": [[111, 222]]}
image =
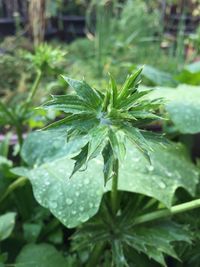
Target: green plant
{"points": [[99, 170], [44, 62]]}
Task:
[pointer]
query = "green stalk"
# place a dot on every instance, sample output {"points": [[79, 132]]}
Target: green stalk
{"points": [[160, 214], [95, 255], [17, 183], [34, 87], [14, 121], [114, 191], [19, 134]]}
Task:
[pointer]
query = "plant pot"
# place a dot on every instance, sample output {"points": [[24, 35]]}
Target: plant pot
{"points": [[8, 27], [52, 31], [173, 23], [73, 27]]}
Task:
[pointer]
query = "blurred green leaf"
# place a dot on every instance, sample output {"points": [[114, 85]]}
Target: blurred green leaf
{"points": [[41, 255], [7, 223], [183, 106]]}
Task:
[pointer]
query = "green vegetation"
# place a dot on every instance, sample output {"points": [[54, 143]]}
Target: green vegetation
{"points": [[99, 163]]}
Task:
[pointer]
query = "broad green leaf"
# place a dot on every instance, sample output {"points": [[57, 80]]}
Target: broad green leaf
{"points": [[43, 146], [183, 106], [75, 200], [193, 67], [7, 223], [188, 77], [158, 77], [170, 169], [31, 231], [84, 91], [190, 74], [41, 255]]}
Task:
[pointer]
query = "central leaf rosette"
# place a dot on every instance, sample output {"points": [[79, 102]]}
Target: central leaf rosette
{"points": [[106, 118]]}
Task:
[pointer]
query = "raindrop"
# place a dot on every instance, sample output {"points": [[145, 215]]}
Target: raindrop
{"points": [[91, 205], [136, 159], [86, 181], [98, 192], [69, 201], [47, 183], [74, 212], [162, 184], [84, 218], [77, 194], [81, 208], [53, 205], [151, 168], [169, 174]]}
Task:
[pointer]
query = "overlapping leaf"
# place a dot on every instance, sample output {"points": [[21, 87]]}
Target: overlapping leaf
{"points": [[75, 200], [7, 223], [40, 255], [183, 106]]}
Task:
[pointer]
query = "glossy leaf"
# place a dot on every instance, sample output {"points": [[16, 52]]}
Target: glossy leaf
{"points": [[75, 200], [183, 106], [41, 255], [170, 168], [158, 77], [7, 223]]}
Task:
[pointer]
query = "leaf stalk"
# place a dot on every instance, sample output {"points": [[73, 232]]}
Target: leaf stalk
{"points": [[114, 191], [161, 214]]}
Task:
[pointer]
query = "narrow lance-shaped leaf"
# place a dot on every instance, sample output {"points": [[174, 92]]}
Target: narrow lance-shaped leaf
{"points": [[117, 142], [129, 83], [84, 91], [80, 159], [68, 103], [109, 159], [137, 138], [97, 139], [113, 87], [83, 121]]}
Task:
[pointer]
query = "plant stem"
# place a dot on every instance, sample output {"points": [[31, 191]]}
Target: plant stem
{"points": [[95, 255], [14, 121], [19, 135], [160, 214], [114, 192], [17, 183], [34, 87]]}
